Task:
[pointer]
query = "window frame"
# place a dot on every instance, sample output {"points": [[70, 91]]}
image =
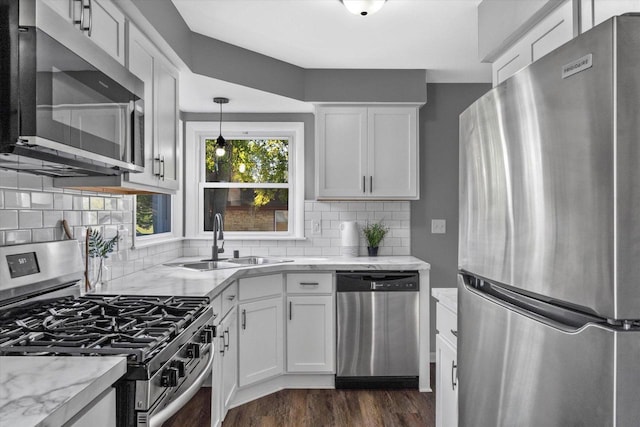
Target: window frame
{"points": [[198, 132]]}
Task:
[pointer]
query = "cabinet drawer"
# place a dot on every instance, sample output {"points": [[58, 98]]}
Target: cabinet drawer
{"points": [[216, 305], [310, 283], [229, 298], [260, 286], [446, 322]]}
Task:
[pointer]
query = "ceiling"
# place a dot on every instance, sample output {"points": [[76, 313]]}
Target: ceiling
{"points": [[437, 35]]}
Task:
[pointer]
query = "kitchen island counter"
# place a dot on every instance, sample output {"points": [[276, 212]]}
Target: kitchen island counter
{"points": [[49, 391]]}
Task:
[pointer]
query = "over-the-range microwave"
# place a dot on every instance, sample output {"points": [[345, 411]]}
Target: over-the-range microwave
{"points": [[67, 108]]}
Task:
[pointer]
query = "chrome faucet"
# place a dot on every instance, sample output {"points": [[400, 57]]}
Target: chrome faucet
{"points": [[218, 234]]}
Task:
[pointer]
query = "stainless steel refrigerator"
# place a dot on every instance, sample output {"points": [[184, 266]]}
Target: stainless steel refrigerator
{"points": [[549, 240]]}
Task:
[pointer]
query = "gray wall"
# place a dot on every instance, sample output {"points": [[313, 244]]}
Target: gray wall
{"points": [[309, 135], [439, 182]]}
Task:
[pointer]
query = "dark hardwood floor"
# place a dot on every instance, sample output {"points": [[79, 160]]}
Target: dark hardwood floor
{"points": [[315, 408]]}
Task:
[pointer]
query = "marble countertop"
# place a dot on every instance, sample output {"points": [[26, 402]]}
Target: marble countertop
{"points": [[49, 391], [448, 297], [171, 280]]}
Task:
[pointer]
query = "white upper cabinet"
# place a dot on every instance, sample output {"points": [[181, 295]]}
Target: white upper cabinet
{"points": [[161, 113], [367, 152], [551, 32], [100, 20]]}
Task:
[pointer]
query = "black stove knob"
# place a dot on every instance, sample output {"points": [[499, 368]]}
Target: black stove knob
{"points": [[206, 336], [179, 365], [193, 351], [169, 377]]}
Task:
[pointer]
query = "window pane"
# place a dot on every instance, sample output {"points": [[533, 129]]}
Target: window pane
{"points": [[153, 214], [248, 160], [248, 209]]}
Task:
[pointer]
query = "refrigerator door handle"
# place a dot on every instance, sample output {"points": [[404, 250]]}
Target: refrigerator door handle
{"points": [[552, 315]]}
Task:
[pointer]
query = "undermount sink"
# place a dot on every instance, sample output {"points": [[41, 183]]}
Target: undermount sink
{"points": [[205, 265], [257, 260]]}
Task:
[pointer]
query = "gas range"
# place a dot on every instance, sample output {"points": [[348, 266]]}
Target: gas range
{"points": [[167, 340]]}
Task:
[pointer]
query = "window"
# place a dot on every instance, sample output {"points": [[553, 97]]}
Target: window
{"points": [[257, 185], [153, 214]]}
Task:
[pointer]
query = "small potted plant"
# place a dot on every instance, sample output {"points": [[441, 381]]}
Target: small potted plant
{"points": [[374, 233]]}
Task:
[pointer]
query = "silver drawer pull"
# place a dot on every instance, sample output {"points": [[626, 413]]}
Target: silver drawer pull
{"points": [[231, 297], [455, 333], [309, 284]]}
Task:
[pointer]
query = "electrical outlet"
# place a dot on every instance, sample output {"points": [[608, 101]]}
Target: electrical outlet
{"points": [[438, 226], [316, 227]]}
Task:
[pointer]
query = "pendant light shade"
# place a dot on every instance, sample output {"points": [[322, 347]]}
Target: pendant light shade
{"points": [[220, 142], [363, 7]]}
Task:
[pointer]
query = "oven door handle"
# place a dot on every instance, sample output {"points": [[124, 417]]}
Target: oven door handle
{"points": [[156, 420]]}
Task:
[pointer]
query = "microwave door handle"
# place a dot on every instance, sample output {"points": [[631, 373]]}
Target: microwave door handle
{"points": [[90, 19]]}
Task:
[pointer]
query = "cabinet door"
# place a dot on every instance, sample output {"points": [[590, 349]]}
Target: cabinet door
{"points": [[142, 63], [446, 384], [393, 152], [310, 334], [65, 8], [261, 340], [341, 152], [216, 379], [99, 413], [229, 347], [166, 117], [107, 28]]}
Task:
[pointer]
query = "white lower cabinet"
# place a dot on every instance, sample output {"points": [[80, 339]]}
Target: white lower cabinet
{"points": [[261, 340], [100, 413], [446, 384], [310, 334], [228, 349]]}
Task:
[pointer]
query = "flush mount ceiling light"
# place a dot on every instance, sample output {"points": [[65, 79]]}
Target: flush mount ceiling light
{"points": [[363, 7], [220, 142]]}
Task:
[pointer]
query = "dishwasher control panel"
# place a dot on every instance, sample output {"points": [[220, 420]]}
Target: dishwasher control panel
{"points": [[381, 281]]}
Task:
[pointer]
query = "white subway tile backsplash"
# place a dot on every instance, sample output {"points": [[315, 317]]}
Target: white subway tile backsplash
{"points": [[73, 217], [96, 203], [29, 182], [8, 219], [8, 179], [51, 218], [63, 201], [41, 201], [80, 203], [104, 217], [110, 204], [42, 235], [89, 218], [348, 216], [16, 237], [17, 199], [30, 219]]}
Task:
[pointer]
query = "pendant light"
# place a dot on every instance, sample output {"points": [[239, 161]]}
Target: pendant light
{"points": [[363, 7], [220, 142]]}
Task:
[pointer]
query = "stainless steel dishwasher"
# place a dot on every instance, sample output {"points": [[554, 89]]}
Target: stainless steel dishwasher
{"points": [[377, 328]]}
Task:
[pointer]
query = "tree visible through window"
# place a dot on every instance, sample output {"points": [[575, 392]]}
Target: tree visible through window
{"points": [[249, 185], [153, 214]]}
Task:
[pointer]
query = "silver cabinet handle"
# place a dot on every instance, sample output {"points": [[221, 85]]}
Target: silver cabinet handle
{"points": [[454, 376], [371, 184], [309, 284], [290, 310], [455, 333], [162, 168], [222, 346], [364, 184], [244, 319], [157, 159], [81, 20], [90, 18], [227, 340]]}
